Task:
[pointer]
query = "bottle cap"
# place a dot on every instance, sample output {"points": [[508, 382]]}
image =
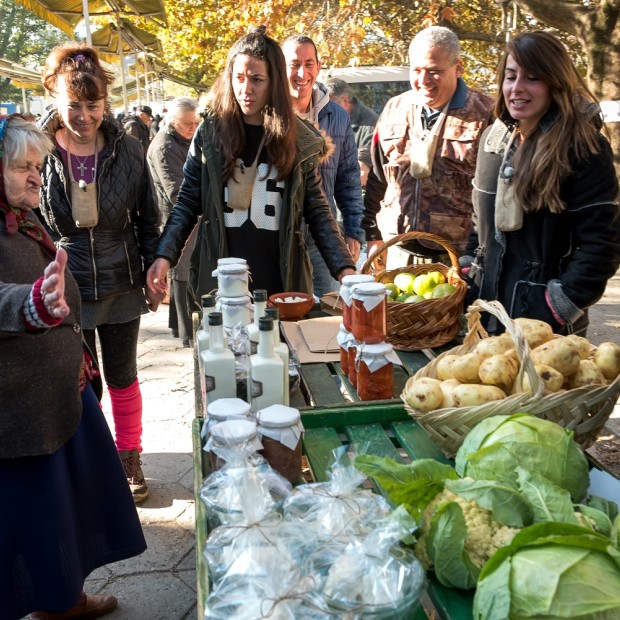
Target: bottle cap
{"points": [[215, 318], [272, 313], [260, 294], [207, 301], [265, 324]]}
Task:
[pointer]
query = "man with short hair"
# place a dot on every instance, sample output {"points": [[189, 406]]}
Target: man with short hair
{"points": [[340, 173], [363, 121], [139, 126], [424, 152]]}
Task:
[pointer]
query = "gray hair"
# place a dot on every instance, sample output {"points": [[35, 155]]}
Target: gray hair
{"points": [[438, 36], [21, 137], [338, 88], [177, 107]]}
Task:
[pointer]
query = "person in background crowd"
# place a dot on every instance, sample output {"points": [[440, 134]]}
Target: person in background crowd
{"points": [[547, 221], [97, 202], [363, 121], [424, 152], [252, 173], [155, 125], [139, 126], [66, 506], [340, 172], [166, 157]]}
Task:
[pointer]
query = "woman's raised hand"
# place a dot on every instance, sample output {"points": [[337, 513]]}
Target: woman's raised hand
{"points": [[53, 287]]}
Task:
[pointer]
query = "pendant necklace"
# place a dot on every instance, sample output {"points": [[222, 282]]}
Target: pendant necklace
{"points": [[82, 167]]}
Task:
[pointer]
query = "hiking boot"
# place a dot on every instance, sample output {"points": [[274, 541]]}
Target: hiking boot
{"points": [[89, 606], [135, 478]]}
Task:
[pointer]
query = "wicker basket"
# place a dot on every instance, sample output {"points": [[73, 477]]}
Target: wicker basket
{"points": [[582, 410], [429, 323]]}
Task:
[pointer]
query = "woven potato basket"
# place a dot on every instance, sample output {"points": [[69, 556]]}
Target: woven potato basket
{"points": [[425, 324], [583, 410]]}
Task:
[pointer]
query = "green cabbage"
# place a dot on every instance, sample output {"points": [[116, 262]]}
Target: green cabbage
{"points": [[551, 570], [497, 446]]}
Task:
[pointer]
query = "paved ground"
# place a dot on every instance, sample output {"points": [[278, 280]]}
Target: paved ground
{"points": [[161, 584]]}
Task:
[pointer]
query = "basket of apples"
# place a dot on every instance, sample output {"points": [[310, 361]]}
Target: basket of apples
{"points": [[425, 300]]}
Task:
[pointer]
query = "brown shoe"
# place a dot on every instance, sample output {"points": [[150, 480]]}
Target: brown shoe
{"points": [[135, 477], [89, 606]]}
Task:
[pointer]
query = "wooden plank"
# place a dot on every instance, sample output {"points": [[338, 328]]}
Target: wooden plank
{"points": [[351, 392], [416, 442], [400, 378], [451, 603], [320, 384], [372, 439], [413, 360], [318, 444], [367, 413], [200, 512]]}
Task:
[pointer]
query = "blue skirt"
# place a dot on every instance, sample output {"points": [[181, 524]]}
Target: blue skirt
{"points": [[64, 515]]}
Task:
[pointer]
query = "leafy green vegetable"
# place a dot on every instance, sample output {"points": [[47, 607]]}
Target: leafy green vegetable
{"points": [[446, 547], [594, 518], [551, 570], [494, 449], [413, 485]]}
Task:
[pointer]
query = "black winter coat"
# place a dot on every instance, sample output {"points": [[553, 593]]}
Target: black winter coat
{"points": [[111, 258]]}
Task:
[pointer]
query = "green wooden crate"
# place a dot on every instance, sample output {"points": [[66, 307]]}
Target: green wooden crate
{"points": [[384, 429]]}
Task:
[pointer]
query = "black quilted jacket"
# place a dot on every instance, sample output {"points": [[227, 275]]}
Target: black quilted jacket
{"points": [[110, 258]]}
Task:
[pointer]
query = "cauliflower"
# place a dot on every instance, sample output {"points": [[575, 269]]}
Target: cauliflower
{"points": [[484, 535]]}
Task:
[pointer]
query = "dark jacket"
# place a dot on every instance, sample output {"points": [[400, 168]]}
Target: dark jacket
{"points": [[166, 157], [363, 122], [111, 258], [340, 172], [439, 204], [40, 403], [570, 255], [136, 127], [202, 194]]}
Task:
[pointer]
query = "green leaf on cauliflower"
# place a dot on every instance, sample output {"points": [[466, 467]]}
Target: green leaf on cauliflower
{"points": [[594, 519], [445, 546], [548, 501], [413, 485], [506, 504]]}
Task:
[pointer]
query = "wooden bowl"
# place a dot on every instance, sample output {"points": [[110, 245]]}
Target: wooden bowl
{"points": [[292, 310]]}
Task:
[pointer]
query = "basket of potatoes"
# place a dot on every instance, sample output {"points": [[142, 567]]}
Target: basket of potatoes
{"points": [[527, 368]]}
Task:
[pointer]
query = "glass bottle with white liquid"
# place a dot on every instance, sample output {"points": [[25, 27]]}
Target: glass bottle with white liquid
{"points": [[218, 363], [260, 303], [280, 348]]}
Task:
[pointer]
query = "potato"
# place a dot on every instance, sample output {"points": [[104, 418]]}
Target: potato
{"points": [[588, 373], [470, 395], [500, 370], [534, 331], [447, 387], [583, 345], [444, 367], [513, 353], [559, 353], [607, 358], [552, 379], [465, 368], [423, 394], [494, 345]]}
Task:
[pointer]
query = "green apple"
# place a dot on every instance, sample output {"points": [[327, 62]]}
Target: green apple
{"points": [[414, 299], [443, 290], [404, 281], [403, 296], [393, 291], [428, 295], [435, 278], [422, 284]]}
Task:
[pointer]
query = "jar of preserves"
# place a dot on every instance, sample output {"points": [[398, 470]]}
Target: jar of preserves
{"points": [[345, 294], [232, 279], [224, 409], [375, 371], [369, 312], [232, 441], [280, 431], [351, 363], [345, 338], [235, 310]]}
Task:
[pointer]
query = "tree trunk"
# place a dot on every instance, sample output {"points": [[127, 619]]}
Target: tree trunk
{"points": [[597, 29]]}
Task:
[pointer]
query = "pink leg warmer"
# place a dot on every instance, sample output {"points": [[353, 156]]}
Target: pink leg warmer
{"points": [[127, 414]]}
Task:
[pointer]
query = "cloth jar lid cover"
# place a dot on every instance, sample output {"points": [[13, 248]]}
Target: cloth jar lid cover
{"points": [[376, 356], [235, 301], [344, 337], [229, 260], [278, 416], [349, 281], [224, 408], [371, 294], [233, 431]]}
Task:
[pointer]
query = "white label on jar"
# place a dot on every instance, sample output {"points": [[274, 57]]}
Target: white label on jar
{"points": [[257, 388], [209, 383]]}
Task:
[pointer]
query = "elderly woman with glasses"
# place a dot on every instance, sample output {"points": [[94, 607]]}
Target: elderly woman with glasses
{"points": [[67, 509]]}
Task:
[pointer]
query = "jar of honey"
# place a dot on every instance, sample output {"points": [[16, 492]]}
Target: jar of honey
{"points": [[375, 371], [369, 312], [345, 294], [280, 431]]}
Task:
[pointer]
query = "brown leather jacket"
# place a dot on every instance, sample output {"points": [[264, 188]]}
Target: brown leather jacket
{"points": [[440, 204]]}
